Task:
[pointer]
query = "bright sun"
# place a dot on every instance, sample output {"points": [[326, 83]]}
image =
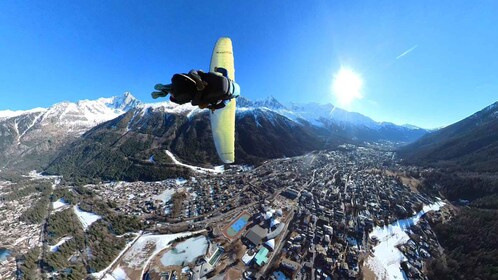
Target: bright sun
{"points": [[346, 87]]}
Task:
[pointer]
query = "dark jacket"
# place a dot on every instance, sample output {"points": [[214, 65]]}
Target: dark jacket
{"points": [[187, 88]]}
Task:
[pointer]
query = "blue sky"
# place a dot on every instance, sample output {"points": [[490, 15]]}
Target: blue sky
{"points": [[427, 63]]}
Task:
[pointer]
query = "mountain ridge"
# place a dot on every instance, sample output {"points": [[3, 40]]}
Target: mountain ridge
{"points": [[36, 139], [30, 138], [469, 144]]}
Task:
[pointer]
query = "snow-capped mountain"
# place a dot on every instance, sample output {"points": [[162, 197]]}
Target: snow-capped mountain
{"points": [[42, 131], [76, 117], [336, 120], [318, 114], [121, 148], [265, 129]]}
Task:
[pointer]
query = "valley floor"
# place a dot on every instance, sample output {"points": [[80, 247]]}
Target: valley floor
{"points": [[307, 217]]}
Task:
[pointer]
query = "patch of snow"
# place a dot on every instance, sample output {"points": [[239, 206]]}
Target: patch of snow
{"points": [[101, 273], [55, 248], [140, 253], [256, 120], [59, 204], [194, 168], [34, 175], [7, 114], [169, 107], [117, 274], [165, 196], [186, 252], [410, 126], [30, 126], [219, 168], [387, 258], [86, 218], [180, 181], [57, 181]]}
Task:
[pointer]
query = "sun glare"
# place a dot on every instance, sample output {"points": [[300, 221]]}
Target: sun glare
{"points": [[346, 87]]}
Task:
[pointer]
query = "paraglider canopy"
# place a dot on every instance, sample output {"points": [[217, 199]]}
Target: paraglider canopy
{"points": [[223, 120]]}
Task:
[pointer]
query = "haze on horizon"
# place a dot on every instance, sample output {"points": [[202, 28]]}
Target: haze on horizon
{"points": [[426, 64]]}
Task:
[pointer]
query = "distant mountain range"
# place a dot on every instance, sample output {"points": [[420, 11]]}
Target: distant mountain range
{"points": [[470, 144], [28, 139], [338, 122], [116, 137]]}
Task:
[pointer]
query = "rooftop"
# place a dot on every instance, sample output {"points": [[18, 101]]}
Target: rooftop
{"points": [[256, 234], [262, 256]]}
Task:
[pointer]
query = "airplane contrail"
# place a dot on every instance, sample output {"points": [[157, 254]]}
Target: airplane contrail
{"points": [[407, 52]]}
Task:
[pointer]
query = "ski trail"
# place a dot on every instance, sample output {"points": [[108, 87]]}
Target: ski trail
{"points": [[29, 127], [16, 129], [194, 168]]}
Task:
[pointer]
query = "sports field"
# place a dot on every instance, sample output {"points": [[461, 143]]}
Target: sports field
{"points": [[234, 229]]}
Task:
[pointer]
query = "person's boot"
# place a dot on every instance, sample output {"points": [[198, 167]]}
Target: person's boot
{"points": [[222, 71], [161, 87], [157, 94]]}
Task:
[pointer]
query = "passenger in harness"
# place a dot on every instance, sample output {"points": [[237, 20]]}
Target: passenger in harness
{"points": [[212, 90]]}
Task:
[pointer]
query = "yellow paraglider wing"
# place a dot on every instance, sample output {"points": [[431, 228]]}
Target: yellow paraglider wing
{"points": [[223, 120]]}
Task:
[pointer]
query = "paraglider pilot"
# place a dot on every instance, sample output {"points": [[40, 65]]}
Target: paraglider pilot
{"points": [[212, 90]]}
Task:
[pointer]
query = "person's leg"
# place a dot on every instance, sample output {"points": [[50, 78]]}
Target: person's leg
{"points": [[162, 87], [162, 91]]}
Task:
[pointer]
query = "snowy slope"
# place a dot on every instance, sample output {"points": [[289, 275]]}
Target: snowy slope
{"points": [[28, 139], [86, 218], [75, 116], [6, 114], [319, 114], [85, 114], [386, 259]]}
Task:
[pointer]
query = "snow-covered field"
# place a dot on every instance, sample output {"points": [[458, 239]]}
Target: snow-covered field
{"points": [[186, 251], [165, 196], [117, 274], [140, 253], [103, 272], [387, 258], [86, 218], [55, 248], [217, 169], [34, 175], [59, 205]]}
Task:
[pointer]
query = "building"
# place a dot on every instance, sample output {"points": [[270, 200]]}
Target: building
{"points": [[262, 256], [291, 265], [256, 234], [290, 194]]}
